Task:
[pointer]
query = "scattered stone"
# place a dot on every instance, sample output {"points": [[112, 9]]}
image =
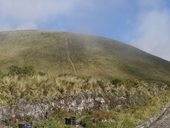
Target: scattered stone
{"points": [[74, 122], [70, 121], [25, 126]]}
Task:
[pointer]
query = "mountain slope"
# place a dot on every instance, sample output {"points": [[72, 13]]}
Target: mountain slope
{"points": [[70, 53]]}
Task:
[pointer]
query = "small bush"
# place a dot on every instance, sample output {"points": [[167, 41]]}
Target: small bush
{"points": [[42, 73], [1, 74], [132, 82], [26, 70], [116, 81]]}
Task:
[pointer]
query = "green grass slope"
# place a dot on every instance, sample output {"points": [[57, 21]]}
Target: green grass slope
{"points": [[82, 55]]}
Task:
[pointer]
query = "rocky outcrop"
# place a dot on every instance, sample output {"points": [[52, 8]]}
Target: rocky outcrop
{"points": [[41, 110]]}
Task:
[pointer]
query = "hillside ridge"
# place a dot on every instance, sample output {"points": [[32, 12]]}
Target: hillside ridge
{"points": [[78, 54]]}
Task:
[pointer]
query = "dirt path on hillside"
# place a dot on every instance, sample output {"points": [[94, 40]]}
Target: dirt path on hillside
{"points": [[68, 54]]}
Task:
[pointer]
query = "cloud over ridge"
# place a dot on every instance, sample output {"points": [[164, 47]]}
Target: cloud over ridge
{"points": [[144, 22], [153, 29]]}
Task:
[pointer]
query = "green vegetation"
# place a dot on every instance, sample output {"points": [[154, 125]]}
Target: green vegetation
{"points": [[122, 118], [27, 70], [20, 84], [68, 53], [142, 99], [68, 64]]}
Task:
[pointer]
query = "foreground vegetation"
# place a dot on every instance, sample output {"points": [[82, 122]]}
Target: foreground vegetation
{"points": [[142, 99], [124, 118]]}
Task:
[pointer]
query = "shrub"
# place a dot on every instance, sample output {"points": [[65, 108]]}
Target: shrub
{"points": [[26, 70], [1, 74], [116, 81], [42, 73], [132, 82]]}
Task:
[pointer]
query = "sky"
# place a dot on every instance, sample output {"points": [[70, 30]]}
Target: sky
{"points": [[144, 24]]}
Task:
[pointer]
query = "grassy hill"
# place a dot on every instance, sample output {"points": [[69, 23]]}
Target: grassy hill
{"points": [[69, 53], [118, 103]]}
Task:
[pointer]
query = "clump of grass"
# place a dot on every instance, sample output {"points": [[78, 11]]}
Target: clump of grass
{"points": [[41, 88], [22, 71]]}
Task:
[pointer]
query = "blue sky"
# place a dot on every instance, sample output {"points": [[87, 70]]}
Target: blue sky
{"points": [[142, 23]]}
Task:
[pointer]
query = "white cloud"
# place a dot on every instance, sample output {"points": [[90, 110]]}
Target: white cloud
{"points": [[27, 26], [21, 12], [34, 10], [152, 34], [5, 27], [153, 29], [40, 10], [31, 13]]}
